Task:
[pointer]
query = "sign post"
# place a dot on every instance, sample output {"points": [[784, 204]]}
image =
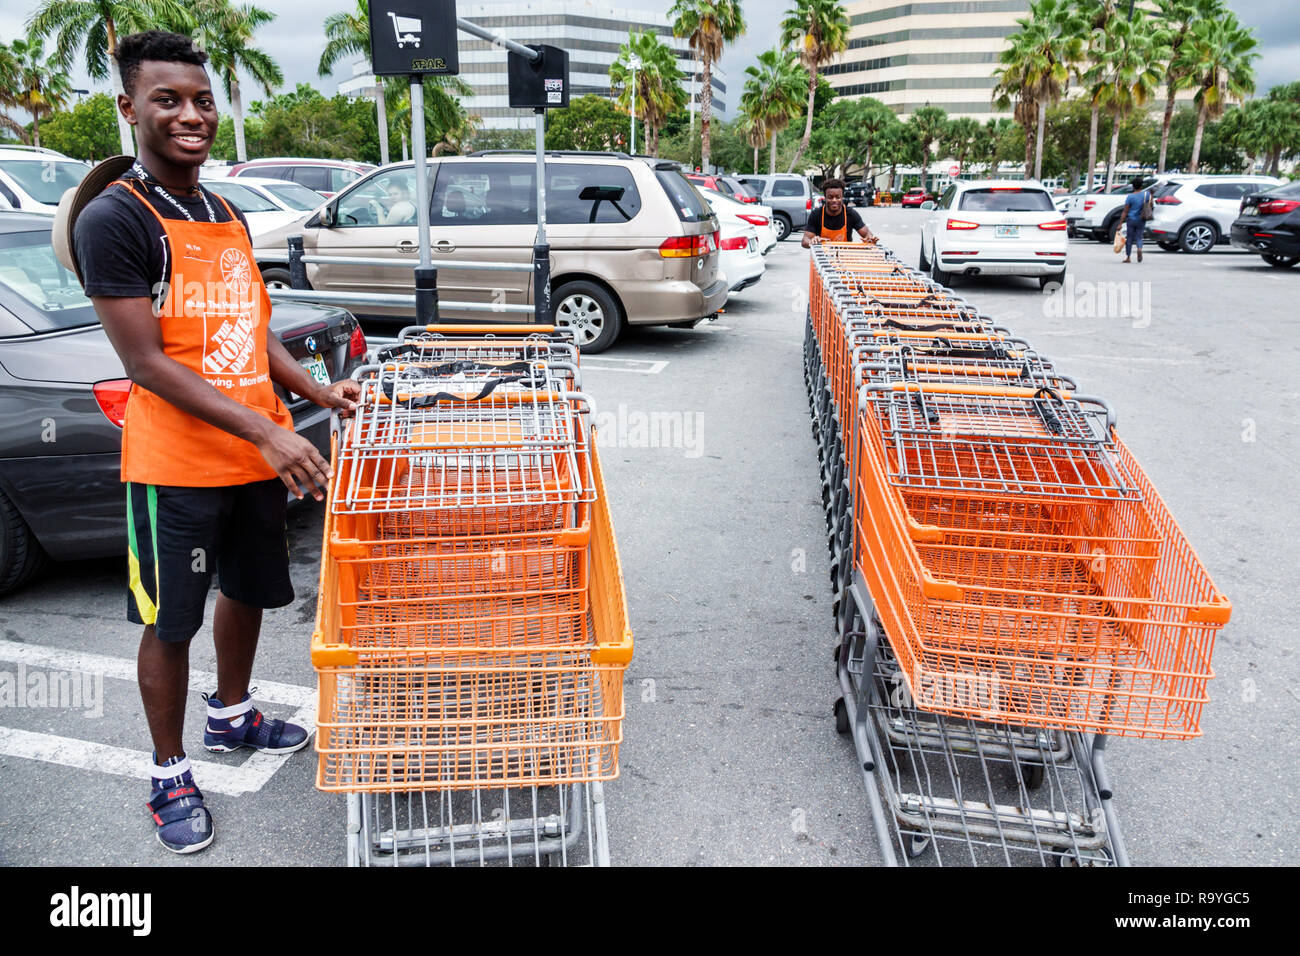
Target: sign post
{"points": [[415, 39]]}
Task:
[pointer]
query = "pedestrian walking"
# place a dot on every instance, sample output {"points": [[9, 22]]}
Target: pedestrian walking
{"points": [[834, 220], [1138, 210], [208, 448]]}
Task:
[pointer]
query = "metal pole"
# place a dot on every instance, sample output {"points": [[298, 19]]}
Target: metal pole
{"points": [[474, 29], [426, 277], [421, 167], [632, 118], [541, 250]]}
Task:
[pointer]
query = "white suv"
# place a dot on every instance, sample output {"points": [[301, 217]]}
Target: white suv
{"points": [[994, 227], [34, 180], [1192, 213]]}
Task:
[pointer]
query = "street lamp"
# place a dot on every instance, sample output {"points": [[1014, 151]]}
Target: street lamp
{"points": [[634, 61]]}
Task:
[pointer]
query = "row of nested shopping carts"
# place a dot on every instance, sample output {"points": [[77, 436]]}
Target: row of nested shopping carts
{"points": [[1010, 589], [472, 629]]}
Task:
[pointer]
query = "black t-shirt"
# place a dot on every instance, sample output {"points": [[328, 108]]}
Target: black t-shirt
{"points": [[122, 248], [815, 221]]}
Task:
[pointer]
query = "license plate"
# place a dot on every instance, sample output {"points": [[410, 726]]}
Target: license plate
{"points": [[315, 365], [1006, 232], [1250, 210], [753, 244]]}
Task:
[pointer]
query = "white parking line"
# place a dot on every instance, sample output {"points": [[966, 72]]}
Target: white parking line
{"points": [[232, 780], [639, 366]]}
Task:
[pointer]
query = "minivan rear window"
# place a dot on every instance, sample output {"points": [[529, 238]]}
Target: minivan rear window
{"points": [[690, 205], [1006, 200]]}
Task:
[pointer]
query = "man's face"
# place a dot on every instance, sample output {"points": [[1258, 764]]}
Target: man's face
{"points": [[834, 201], [173, 111]]}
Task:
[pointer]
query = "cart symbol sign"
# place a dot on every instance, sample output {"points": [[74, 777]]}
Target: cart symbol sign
{"points": [[406, 29], [413, 37], [554, 91]]}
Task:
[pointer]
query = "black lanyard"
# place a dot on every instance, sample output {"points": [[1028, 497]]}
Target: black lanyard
{"points": [[138, 168]]}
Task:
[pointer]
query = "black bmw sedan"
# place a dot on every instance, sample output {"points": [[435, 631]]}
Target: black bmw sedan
{"points": [[1269, 223], [63, 397]]}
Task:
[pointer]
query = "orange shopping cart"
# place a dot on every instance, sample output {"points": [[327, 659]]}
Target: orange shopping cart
{"points": [[472, 630]]}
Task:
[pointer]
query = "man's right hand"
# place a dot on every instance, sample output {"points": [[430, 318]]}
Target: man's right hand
{"points": [[296, 461]]}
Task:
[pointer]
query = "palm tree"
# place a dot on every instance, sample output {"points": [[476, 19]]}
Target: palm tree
{"points": [[774, 93], [1218, 59], [1176, 18], [96, 24], [348, 34], [1099, 17], [445, 119], [961, 139], [659, 91], [1125, 73], [928, 125], [707, 25], [30, 84], [1035, 71], [876, 118], [226, 32], [820, 28]]}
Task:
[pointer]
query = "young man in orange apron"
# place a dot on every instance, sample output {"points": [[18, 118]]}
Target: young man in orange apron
{"points": [[208, 449], [834, 220]]}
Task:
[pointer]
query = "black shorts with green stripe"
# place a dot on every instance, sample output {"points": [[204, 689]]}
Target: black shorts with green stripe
{"points": [[179, 536]]}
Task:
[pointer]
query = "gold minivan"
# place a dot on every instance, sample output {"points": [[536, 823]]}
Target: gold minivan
{"points": [[632, 242]]}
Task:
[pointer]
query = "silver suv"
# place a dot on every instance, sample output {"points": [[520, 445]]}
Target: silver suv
{"points": [[789, 195], [1192, 213], [33, 179], [632, 242]]}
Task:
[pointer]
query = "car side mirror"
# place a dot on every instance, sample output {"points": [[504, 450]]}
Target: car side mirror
{"points": [[928, 204], [329, 215]]}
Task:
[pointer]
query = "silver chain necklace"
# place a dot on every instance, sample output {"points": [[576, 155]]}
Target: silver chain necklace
{"points": [[148, 180]]}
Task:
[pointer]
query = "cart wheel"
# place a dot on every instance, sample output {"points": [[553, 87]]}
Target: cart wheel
{"points": [[841, 716], [1033, 773], [1100, 857], [917, 843]]}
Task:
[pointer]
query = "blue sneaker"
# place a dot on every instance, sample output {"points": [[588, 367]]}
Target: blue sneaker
{"points": [[243, 725], [184, 823]]}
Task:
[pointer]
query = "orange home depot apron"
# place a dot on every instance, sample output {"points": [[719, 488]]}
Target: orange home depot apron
{"points": [[214, 319], [835, 235]]}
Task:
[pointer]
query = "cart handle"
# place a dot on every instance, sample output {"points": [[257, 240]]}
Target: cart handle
{"points": [[992, 391], [470, 329]]}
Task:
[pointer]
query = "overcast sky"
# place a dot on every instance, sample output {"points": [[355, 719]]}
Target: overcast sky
{"points": [[295, 38]]}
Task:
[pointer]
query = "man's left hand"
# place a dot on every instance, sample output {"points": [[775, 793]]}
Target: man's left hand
{"points": [[342, 395]]}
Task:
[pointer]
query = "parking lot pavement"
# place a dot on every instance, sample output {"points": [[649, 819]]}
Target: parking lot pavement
{"points": [[730, 752]]}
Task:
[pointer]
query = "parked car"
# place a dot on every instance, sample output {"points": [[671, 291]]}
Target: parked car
{"points": [[64, 393], [326, 176], [632, 242], [1270, 225], [790, 197], [915, 196], [727, 185], [994, 227], [1065, 200], [760, 217], [1096, 214], [266, 203], [740, 261], [34, 180], [860, 193], [1193, 213]]}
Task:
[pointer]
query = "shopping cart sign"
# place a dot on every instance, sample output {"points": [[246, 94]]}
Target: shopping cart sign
{"points": [[413, 37]]}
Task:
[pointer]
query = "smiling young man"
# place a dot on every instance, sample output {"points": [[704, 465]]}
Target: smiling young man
{"points": [[834, 220], [208, 449]]}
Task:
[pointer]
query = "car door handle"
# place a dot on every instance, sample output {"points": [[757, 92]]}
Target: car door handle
{"points": [[406, 245], [445, 245]]}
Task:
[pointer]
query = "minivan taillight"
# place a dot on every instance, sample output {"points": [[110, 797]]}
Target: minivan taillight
{"points": [[688, 247], [357, 344], [111, 396]]}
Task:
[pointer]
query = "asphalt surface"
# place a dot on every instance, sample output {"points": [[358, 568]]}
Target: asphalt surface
{"points": [[730, 753]]}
